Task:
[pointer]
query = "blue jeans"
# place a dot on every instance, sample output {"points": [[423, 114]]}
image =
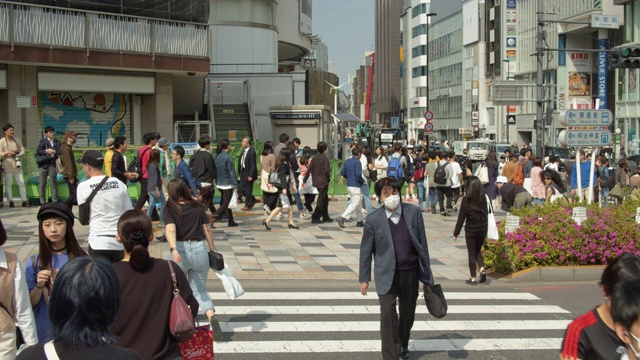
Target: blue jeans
{"points": [[366, 195], [195, 264], [153, 200], [605, 196], [298, 200], [433, 196], [537, 201], [420, 185]]}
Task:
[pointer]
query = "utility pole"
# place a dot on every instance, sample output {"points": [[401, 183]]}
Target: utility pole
{"points": [[539, 123]]}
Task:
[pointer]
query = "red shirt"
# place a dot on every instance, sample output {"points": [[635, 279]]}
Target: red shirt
{"points": [[144, 159]]}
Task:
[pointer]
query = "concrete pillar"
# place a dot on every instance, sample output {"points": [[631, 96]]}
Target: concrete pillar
{"points": [[157, 109], [22, 81]]}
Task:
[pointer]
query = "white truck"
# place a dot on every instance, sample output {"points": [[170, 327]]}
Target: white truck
{"points": [[479, 149]]}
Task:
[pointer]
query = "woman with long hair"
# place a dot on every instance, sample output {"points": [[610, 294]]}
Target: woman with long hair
{"points": [[537, 183], [309, 191], [474, 215], [293, 163], [57, 244], [146, 290], [553, 186], [491, 162], [186, 229], [283, 167], [154, 186], [267, 165]]}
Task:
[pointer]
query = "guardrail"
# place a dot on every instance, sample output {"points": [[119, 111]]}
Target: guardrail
{"points": [[70, 28]]}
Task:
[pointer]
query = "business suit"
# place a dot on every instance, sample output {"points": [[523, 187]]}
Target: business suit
{"points": [[247, 169], [48, 169], [391, 283]]}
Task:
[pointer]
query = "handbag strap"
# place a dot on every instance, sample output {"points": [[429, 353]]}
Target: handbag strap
{"points": [[489, 206], [173, 279], [50, 351], [95, 191]]}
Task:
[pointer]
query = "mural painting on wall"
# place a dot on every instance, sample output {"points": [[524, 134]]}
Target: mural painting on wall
{"points": [[95, 116]]}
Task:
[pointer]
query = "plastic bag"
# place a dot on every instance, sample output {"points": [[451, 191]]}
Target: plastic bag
{"points": [[234, 200], [231, 286]]}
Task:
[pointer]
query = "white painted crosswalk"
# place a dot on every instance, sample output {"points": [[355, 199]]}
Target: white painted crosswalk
{"points": [[295, 323]]}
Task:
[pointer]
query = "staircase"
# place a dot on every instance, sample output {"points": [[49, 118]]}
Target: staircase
{"points": [[232, 118]]}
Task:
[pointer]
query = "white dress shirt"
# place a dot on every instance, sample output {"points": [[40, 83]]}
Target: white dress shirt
{"points": [[394, 215], [244, 156], [22, 303]]}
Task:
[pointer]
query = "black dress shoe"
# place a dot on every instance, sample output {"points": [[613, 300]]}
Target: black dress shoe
{"points": [[12, 204], [360, 224], [266, 225], [316, 221], [233, 224], [404, 354], [291, 226], [161, 238], [327, 220]]}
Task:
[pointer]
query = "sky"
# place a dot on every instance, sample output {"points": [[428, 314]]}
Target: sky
{"points": [[347, 28]]}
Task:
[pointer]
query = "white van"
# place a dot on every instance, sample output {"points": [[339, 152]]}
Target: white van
{"points": [[479, 149]]}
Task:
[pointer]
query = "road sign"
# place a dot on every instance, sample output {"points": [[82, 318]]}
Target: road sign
{"points": [[428, 128], [577, 117], [428, 115], [465, 131], [395, 122], [602, 21], [585, 137], [511, 119], [475, 115]]}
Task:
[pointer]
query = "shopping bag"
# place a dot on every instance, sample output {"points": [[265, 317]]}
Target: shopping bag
{"points": [[434, 298], [231, 286], [284, 200], [492, 227], [200, 346], [234, 200], [484, 175]]}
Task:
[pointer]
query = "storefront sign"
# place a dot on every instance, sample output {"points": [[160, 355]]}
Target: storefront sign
{"points": [[603, 44]]}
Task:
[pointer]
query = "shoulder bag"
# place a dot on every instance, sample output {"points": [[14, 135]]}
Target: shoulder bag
{"points": [[483, 174], [274, 179], [84, 210], [216, 260], [181, 322], [492, 228], [436, 303]]}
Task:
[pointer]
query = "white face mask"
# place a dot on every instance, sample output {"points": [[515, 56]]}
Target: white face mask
{"points": [[633, 347], [392, 202]]}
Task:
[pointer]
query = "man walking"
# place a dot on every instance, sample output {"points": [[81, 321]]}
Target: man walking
{"points": [[227, 182], [394, 236], [509, 169], [70, 169], [444, 185], [108, 157], [12, 150], [109, 203], [248, 173], [320, 172], [143, 154], [456, 180], [352, 171], [118, 166], [47, 152], [284, 138], [165, 162], [204, 170], [182, 170]]}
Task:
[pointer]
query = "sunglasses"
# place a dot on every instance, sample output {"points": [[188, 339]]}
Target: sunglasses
{"points": [[548, 178]]}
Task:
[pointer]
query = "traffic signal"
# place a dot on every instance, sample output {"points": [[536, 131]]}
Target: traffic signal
{"points": [[624, 58]]}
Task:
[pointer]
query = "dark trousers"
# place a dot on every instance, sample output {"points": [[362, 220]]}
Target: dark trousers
{"points": [[442, 192], [245, 188], [224, 205], [308, 200], [208, 192], [143, 198], [322, 207], [456, 194], [395, 330], [113, 256], [474, 245], [73, 189]]}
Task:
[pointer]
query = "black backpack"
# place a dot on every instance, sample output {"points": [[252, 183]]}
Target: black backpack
{"points": [[440, 175], [136, 166]]}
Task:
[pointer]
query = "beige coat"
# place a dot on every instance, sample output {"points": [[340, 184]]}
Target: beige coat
{"points": [[8, 161]]}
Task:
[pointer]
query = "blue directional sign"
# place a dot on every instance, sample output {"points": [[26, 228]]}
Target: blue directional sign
{"points": [[585, 137], [395, 122], [590, 117]]}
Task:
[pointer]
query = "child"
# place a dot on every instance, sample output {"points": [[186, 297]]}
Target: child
{"points": [[57, 246]]}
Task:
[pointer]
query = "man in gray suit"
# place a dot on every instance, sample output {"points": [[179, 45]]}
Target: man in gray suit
{"points": [[394, 235]]}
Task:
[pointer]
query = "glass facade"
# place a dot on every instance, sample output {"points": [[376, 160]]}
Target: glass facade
{"points": [[245, 11], [419, 30], [420, 9]]}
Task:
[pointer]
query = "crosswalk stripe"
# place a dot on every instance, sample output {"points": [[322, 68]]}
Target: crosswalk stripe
{"points": [[330, 346], [364, 326], [421, 309], [355, 295]]}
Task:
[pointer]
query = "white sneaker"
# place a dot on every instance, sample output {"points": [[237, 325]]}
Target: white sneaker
{"points": [[279, 216], [303, 215], [266, 209]]}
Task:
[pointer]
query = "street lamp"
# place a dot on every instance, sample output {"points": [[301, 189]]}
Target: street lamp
{"points": [[429, 15], [507, 119]]}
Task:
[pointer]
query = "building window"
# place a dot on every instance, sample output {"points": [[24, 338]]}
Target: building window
{"points": [[421, 91], [419, 30], [420, 9], [419, 51], [417, 112], [419, 71]]}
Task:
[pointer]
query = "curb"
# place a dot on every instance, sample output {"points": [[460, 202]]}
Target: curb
{"points": [[556, 273]]}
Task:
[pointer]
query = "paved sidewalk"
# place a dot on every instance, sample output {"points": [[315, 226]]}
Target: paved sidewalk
{"points": [[251, 252]]}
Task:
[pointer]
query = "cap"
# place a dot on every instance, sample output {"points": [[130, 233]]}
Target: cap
{"points": [[92, 158], [109, 143], [503, 156], [48, 128], [409, 146], [56, 208], [70, 134], [163, 142], [502, 179]]}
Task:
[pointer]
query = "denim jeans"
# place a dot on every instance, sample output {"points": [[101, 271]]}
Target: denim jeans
{"points": [[605, 196], [161, 201], [195, 264], [433, 196], [420, 185], [298, 200], [366, 195]]}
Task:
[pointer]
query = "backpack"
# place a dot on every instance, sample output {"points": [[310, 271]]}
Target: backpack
{"points": [[394, 169], [136, 166], [440, 175], [518, 175]]}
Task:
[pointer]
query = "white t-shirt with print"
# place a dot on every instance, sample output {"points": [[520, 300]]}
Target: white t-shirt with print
{"points": [[455, 179], [106, 208]]}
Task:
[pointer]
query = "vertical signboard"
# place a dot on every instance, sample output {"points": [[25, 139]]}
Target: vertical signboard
{"points": [[603, 59]]}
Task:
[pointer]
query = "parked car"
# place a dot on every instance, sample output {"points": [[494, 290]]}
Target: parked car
{"points": [[502, 147]]}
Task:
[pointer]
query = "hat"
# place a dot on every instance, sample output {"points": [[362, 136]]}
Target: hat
{"points": [[92, 158], [409, 146], [109, 143], [503, 156], [502, 179], [56, 208], [48, 128], [70, 134], [163, 142]]}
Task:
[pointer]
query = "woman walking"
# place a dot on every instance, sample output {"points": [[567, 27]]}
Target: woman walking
{"points": [[283, 167], [491, 162], [146, 290], [154, 185], [186, 231], [308, 190], [537, 184], [267, 165], [473, 214], [57, 245]]}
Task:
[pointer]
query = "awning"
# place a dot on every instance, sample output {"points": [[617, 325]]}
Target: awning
{"points": [[343, 118]]}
